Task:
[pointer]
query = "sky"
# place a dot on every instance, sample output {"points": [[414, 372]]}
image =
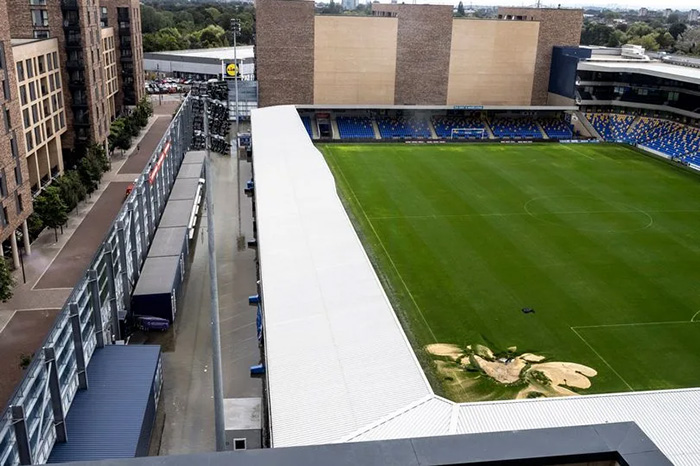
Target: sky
{"points": [[634, 4]]}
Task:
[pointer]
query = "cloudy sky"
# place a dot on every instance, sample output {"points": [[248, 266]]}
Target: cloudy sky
{"points": [[651, 4]]}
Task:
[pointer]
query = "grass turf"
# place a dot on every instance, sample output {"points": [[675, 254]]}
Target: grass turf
{"points": [[603, 242]]}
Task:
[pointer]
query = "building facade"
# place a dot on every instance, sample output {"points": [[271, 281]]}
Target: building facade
{"points": [[407, 55], [81, 29], [41, 104], [15, 193]]}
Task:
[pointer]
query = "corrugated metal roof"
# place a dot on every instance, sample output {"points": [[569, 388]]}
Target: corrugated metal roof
{"points": [[184, 189], [671, 418], [168, 242], [190, 170], [195, 156], [105, 421], [176, 214], [337, 357], [159, 274]]}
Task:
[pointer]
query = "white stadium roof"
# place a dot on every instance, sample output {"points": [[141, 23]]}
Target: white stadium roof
{"points": [[651, 68], [337, 358], [339, 366], [221, 53]]}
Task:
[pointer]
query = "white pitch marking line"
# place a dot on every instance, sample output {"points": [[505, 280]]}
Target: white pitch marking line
{"points": [[521, 214], [692, 319], [601, 358], [639, 324]]}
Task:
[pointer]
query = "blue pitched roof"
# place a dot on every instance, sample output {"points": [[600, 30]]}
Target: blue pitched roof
{"points": [[106, 420]]}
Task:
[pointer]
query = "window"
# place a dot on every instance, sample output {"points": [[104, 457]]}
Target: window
{"points": [[55, 58], [6, 89], [18, 203], [4, 217], [61, 118], [41, 34], [37, 134], [40, 62], [20, 71], [40, 18], [23, 94], [51, 83], [18, 174], [37, 2], [32, 91], [30, 68], [35, 113], [13, 147], [30, 141], [49, 61], [239, 444], [3, 184], [25, 117]]}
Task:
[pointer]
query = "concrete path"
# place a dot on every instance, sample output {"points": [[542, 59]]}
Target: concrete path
{"points": [[187, 413]]}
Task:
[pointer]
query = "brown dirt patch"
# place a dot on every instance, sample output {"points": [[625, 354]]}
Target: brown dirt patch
{"points": [[445, 349], [504, 372], [529, 357], [569, 374]]}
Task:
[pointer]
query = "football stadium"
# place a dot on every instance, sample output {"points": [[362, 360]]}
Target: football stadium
{"points": [[472, 241]]}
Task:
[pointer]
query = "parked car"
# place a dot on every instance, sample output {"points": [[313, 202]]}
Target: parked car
{"points": [[148, 323]]}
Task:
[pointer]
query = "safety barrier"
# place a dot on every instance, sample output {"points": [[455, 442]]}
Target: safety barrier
{"points": [[34, 418]]}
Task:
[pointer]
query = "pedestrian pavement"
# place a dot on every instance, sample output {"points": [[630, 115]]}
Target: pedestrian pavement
{"points": [[57, 263]]}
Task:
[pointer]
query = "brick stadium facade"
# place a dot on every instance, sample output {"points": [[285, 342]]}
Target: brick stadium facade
{"points": [[557, 27], [294, 65]]}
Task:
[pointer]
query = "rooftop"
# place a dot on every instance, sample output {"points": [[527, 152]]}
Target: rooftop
{"points": [[222, 53]]}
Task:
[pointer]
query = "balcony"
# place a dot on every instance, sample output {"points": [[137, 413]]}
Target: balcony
{"points": [[69, 25], [73, 41], [75, 65], [126, 57], [124, 28], [79, 101], [69, 5]]}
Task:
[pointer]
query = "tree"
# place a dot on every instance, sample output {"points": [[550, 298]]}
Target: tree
{"points": [[647, 41], [51, 209], [7, 281], [677, 29], [617, 38], [673, 18], [119, 135], [460, 9], [665, 40], [689, 41], [71, 189]]}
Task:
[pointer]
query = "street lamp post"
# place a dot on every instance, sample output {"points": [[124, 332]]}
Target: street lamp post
{"points": [[236, 29]]}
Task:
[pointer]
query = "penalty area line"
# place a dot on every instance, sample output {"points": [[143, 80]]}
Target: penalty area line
{"points": [[640, 324], [601, 358]]}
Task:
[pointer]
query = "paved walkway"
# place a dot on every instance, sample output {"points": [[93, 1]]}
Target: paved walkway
{"points": [[54, 267]]}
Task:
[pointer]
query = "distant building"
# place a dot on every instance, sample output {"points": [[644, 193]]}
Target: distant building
{"points": [[667, 12], [693, 15], [349, 4], [643, 12]]}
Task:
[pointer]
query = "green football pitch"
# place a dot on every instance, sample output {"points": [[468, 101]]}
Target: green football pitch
{"points": [[602, 242]]}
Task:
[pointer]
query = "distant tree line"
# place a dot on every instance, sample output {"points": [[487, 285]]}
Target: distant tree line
{"points": [[614, 29], [178, 25]]}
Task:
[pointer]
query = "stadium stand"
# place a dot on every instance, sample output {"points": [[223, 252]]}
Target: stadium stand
{"points": [[668, 137], [392, 128], [682, 142], [307, 124], [445, 124], [520, 128], [647, 129], [611, 127], [355, 128], [556, 128]]}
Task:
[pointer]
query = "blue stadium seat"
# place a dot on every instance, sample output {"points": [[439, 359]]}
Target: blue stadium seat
{"points": [[556, 128], [445, 124], [515, 128], [355, 128], [307, 124], [402, 128]]}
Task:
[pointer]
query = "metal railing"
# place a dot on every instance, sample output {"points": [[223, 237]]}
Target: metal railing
{"points": [[34, 418]]}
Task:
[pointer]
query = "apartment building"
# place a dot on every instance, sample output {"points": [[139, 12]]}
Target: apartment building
{"points": [[109, 55], [15, 194], [98, 42], [41, 105]]}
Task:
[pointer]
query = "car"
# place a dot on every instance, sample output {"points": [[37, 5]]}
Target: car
{"points": [[147, 323]]}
